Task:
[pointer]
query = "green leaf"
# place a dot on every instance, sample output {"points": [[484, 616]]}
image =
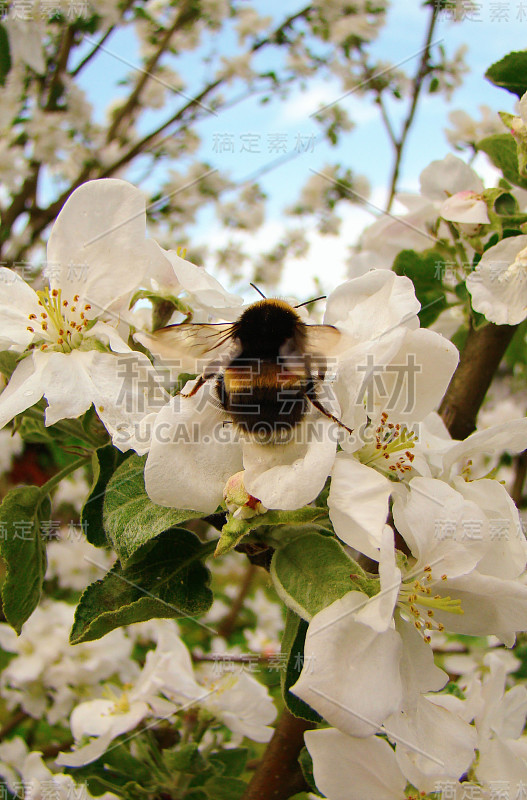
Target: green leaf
{"points": [[105, 461], [230, 762], [311, 572], [129, 516], [220, 788], [23, 551], [235, 529], [510, 73], [426, 271], [170, 581], [502, 151], [306, 765], [293, 641], [5, 55]]}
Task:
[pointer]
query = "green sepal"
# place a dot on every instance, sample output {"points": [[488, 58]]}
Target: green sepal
{"points": [[23, 551], [169, 582], [235, 529], [130, 518]]}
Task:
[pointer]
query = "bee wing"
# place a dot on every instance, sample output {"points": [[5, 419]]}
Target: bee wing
{"points": [[188, 343], [325, 340]]}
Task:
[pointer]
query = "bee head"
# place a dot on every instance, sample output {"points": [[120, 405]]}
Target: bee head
{"points": [[266, 326]]}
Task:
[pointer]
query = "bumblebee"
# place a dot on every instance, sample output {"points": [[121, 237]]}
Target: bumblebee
{"points": [[267, 367]]}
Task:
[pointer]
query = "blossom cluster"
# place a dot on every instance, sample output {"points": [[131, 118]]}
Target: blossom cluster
{"points": [[441, 540]]}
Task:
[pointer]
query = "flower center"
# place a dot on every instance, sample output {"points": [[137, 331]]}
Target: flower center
{"points": [[122, 704], [59, 326], [389, 453], [416, 599]]}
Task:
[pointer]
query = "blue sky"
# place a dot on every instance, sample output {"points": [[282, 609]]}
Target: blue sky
{"points": [[495, 29]]}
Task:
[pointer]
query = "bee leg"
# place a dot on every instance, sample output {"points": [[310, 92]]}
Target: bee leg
{"points": [[201, 380], [322, 410]]}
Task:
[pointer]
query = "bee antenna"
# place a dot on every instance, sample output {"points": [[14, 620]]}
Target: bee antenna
{"points": [[258, 290], [307, 302]]}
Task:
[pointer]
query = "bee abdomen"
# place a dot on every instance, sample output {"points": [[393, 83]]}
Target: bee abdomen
{"points": [[269, 399]]}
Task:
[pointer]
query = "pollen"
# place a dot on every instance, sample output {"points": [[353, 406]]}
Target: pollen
{"points": [[416, 601], [32, 316], [31, 330], [392, 444]]}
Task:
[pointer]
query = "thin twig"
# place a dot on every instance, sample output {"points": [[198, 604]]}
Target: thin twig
{"points": [[417, 85], [12, 723], [227, 625]]}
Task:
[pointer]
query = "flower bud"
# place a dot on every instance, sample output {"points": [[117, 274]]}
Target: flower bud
{"points": [[237, 500]]}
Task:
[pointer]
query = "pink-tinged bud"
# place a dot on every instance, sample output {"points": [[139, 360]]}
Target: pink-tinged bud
{"points": [[237, 500]]}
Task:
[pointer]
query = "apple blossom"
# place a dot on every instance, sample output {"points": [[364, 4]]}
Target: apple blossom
{"points": [[70, 334], [498, 286]]}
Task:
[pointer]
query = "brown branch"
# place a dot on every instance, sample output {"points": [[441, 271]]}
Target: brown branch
{"points": [[480, 358], [61, 63], [87, 58], [11, 724], [519, 478], [185, 15], [195, 102], [226, 626], [417, 85], [278, 775]]}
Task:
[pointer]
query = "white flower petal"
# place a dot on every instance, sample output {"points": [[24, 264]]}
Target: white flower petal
{"points": [[510, 436], [498, 285], [416, 378], [192, 453], [351, 673], [358, 504], [17, 302], [92, 718], [85, 755], [445, 177], [97, 247], [25, 388], [205, 290], [378, 611], [506, 556], [432, 744], [442, 529], [490, 606], [466, 207], [288, 476], [373, 305], [347, 768]]}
